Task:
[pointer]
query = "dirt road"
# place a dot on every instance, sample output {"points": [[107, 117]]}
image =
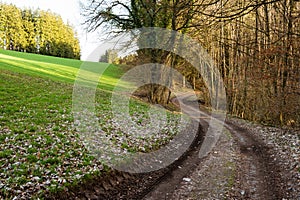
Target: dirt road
{"points": [[239, 166]]}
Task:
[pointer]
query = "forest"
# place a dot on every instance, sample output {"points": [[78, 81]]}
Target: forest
{"points": [[37, 31], [255, 45]]}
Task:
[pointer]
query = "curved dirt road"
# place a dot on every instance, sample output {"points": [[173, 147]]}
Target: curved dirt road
{"points": [[237, 160], [239, 166]]}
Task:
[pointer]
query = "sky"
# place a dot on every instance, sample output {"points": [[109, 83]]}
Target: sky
{"points": [[69, 10]]}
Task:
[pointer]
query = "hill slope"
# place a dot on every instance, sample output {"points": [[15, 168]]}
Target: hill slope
{"points": [[40, 148]]}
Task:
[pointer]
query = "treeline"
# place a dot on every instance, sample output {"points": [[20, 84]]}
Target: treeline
{"points": [[37, 31], [259, 56], [255, 44]]}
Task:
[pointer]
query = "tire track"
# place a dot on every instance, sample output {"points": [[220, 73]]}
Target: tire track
{"points": [[256, 175]]}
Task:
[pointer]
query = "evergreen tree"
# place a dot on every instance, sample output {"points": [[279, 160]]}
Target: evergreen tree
{"points": [[12, 32], [37, 32], [28, 20]]}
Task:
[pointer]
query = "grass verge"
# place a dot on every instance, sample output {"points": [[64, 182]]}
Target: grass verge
{"points": [[40, 148]]}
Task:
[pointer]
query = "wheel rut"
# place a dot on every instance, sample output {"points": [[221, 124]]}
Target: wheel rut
{"points": [[238, 157], [169, 183], [258, 176]]}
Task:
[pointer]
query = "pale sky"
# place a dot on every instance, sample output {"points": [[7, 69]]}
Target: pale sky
{"points": [[70, 12]]}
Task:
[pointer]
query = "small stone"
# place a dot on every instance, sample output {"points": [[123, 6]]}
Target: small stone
{"points": [[187, 179]]}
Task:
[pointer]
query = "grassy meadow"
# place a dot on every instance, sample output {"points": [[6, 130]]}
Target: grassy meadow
{"points": [[40, 149]]}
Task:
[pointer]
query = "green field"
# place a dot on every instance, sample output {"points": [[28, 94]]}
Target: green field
{"points": [[40, 148]]}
